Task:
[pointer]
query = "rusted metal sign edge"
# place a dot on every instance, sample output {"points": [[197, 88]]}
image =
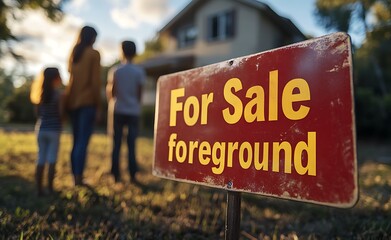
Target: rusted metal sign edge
{"points": [[331, 45]]}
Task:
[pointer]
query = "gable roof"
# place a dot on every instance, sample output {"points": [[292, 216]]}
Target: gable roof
{"points": [[283, 23]]}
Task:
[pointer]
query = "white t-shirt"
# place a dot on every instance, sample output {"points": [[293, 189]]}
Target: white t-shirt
{"points": [[127, 79]]}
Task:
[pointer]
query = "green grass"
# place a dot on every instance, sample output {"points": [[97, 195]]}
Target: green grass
{"points": [[162, 209]]}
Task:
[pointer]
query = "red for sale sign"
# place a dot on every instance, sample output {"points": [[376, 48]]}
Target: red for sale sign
{"points": [[278, 123]]}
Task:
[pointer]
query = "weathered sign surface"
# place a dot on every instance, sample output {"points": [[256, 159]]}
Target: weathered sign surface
{"points": [[278, 123]]}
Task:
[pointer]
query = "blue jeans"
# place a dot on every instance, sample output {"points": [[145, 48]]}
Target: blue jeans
{"points": [[121, 120], [48, 143], [82, 120]]}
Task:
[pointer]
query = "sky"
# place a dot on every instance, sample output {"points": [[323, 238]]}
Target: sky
{"points": [[46, 43]]}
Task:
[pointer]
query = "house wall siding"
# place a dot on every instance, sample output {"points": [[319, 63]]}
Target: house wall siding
{"points": [[254, 33]]}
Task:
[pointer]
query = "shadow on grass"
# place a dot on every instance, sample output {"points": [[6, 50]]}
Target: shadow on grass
{"points": [[164, 209], [67, 213], [363, 221], [84, 213]]}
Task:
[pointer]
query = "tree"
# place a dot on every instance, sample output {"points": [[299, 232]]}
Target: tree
{"points": [[52, 9], [6, 90], [372, 58], [14, 102], [353, 15], [18, 105], [153, 47]]}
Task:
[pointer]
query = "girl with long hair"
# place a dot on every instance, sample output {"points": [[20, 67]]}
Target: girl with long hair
{"points": [[83, 97], [47, 97]]}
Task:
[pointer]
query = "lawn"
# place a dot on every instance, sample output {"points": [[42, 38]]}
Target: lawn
{"points": [[163, 209]]}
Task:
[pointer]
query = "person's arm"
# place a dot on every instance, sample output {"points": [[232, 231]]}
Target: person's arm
{"points": [[140, 93], [96, 80], [62, 106], [140, 88], [110, 85], [36, 110], [70, 60], [96, 84]]}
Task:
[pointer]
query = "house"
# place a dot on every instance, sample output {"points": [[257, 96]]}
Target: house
{"points": [[210, 31]]}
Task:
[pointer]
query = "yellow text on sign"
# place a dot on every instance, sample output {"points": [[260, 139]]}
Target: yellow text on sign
{"points": [[247, 155], [295, 91], [191, 102]]}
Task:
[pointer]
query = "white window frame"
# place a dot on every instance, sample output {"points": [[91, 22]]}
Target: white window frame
{"points": [[183, 36], [223, 32]]}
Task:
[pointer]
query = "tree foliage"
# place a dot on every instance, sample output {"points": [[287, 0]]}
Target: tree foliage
{"points": [[18, 105], [372, 18], [15, 105], [153, 47], [8, 10], [14, 102], [6, 91], [52, 9], [344, 15]]}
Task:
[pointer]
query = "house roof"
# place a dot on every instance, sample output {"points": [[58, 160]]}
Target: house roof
{"points": [[164, 64], [284, 23]]}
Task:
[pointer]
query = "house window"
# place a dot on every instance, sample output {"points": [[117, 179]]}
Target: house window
{"points": [[221, 26], [187, 36]]}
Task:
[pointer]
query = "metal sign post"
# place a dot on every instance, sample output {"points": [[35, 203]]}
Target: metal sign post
{"points": [[232, 224]]}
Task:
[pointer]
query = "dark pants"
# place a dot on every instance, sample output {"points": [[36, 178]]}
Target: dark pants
{"points": [[82, 120], [131, 122]]}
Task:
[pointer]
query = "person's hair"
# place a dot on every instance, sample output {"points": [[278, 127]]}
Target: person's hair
{"points": [[86, 38], [128, 49], [49, 75]]}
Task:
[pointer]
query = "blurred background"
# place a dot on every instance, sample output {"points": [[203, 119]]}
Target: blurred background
{"points": [[36, 34], [175, 35]]}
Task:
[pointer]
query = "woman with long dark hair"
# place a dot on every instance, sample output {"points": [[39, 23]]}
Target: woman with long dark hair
{"points": [[46, 96], [83, 97]]}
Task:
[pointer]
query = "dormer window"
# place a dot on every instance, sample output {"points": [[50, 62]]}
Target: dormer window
{"points": [[221, 26], [187, 36]]}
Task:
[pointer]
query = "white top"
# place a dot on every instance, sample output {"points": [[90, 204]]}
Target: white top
{"points": [[127, 79]]}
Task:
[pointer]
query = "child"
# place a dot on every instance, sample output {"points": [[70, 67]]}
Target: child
{"points": [[45, 94]]}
